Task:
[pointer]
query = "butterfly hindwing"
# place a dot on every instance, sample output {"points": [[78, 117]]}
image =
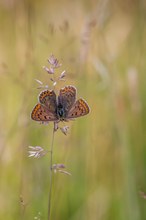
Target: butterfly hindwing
{"points": [[80, 108], [48, 99], [67, 97]]}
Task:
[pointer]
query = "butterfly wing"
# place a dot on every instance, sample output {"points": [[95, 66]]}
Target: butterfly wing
{"points": [[41, 113], [80, 108], [48, 99], [67, 97]]}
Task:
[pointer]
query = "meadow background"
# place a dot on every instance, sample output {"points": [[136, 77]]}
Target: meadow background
{"points": [[102, 46]]}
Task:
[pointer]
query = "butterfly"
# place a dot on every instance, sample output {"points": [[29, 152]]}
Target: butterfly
{"points": [[61, 108]]}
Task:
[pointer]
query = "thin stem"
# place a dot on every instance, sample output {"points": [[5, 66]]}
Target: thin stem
{"points": [[51, 163]]}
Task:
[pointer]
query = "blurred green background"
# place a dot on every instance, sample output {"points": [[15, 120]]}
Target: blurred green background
{"points": [[102, 46]]}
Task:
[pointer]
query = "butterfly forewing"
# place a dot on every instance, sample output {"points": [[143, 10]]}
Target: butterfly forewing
{"points": [[80, 108], [41, 113], [67, 97], [48, 99]]}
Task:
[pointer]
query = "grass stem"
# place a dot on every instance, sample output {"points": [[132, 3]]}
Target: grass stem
{"points": [[51, 172]]}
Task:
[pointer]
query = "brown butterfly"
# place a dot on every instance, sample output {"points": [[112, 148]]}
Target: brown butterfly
{"points": [[63, 108]]}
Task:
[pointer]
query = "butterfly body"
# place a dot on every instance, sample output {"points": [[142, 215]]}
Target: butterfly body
{"points": [[63, 108], [61, 112]]}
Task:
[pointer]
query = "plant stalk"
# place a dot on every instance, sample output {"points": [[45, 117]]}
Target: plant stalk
{"points": [[51, 173]]}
